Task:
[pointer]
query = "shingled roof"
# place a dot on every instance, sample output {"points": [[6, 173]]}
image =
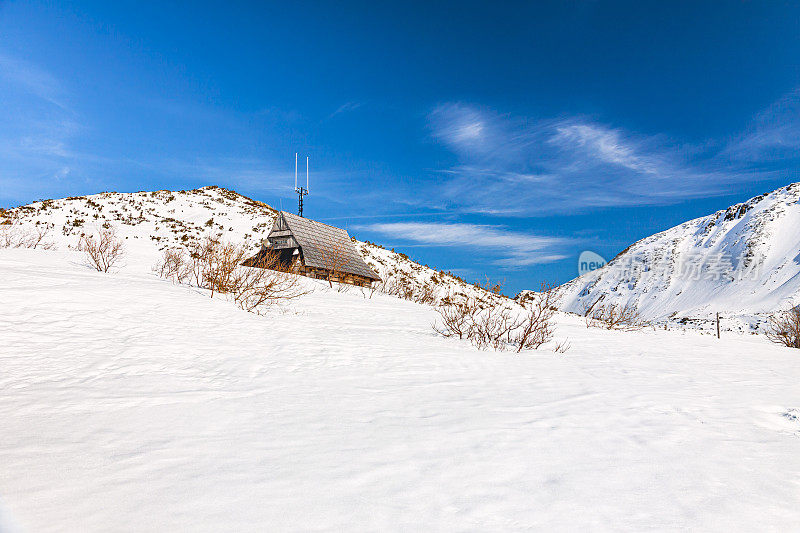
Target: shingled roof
{"points": [[320, 242]]}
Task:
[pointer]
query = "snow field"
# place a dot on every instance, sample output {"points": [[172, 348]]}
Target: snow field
{"points": [[129, 403]]}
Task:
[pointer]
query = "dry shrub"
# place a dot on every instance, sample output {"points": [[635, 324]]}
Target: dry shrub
{"points": [[37, 237], [211, 264], [263, 284], [457, 318], [399, 286], [784, 328], [493, 327], [619, 317], [343, 287], [370, 290], [499, 326], [562, 346], [15, 235], [495, 287], [174, 265], [104, 251], [423, 294], [9, 236], [221, 271], [537, 327], [407, 288], [199, 258], [404, 287], [217, 267]]}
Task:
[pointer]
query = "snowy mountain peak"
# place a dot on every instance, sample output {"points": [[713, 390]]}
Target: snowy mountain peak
{"points": [[743, 260]]}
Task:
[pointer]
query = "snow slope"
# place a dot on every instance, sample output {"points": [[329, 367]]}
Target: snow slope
{"points": [[132, 404], [743, 261], [150, 221]]}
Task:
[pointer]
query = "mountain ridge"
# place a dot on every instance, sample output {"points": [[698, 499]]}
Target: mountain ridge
{"points": [[743, 261], [150, 221]]}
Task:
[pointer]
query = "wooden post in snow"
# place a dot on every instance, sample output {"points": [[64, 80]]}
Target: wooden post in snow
{"points": [[718, 325]]}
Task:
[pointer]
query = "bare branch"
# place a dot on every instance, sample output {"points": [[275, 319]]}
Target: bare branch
{"points": [[784, 328], [14, 235], [217, 266], [619, 317], [457, 318], [537, 327], [499, 326], [102, 252]]}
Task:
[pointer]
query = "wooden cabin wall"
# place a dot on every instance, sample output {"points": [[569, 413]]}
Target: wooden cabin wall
{"points": [[320, 273], [339, 277]]}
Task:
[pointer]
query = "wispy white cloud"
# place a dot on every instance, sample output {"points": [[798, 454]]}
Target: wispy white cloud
{"points": [[510, 249], [606, 145], [526, 167], [346, 108], [43, 139], [37, 127], [460, 126], [34, 79], [773, 135]]}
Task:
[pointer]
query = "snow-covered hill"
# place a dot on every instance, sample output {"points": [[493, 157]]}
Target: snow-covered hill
{"points": [[151, 221], [129, 403], [743, 262], [132, 403]]}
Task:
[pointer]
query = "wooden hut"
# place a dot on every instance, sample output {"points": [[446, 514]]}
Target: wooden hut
{"points": [[316, 250]]}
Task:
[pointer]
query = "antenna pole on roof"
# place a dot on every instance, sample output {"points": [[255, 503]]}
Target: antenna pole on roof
{"points": [[301, 191]]}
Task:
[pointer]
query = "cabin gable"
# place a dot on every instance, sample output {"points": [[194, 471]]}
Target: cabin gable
{"points": [[280, 236]]}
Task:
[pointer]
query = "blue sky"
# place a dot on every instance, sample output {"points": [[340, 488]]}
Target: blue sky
{"points": [[497, 139]]}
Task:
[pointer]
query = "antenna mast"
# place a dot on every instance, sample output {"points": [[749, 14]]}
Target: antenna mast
{"points": [[301, 191]]}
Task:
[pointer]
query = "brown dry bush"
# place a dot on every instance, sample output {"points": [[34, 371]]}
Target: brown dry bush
{"points": [[37, 237], [343, 287], [784, 328], [393, 285], [423, 294], [15, 235], [457, 318], [263, 284], [211, 264], [222, 268], [174, 265], [405, 288], [536, 328], [11, 235], [493, 327], [217, 267], [8, 237], [399, 286], [495, 287], [562, 346], [370, 290], [619, 317], [199, 257], [500, 326], [102, 252]]}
